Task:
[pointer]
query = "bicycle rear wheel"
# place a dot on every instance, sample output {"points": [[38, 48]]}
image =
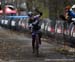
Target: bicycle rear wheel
{"points": [[73, 36], [73, 31]]}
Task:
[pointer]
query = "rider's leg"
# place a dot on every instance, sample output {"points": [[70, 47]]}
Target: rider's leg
{"points": [[40, 35], [33, 43], [39, 40]]}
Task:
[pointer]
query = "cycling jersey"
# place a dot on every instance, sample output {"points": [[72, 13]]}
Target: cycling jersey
{"points": [[71, 13], [34, 23]]}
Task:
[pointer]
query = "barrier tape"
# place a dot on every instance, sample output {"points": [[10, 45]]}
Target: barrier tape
{"points": [[43, 27]]}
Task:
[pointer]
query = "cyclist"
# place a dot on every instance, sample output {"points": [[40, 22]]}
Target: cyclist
{"points": [[34, 20], [69, 13]]}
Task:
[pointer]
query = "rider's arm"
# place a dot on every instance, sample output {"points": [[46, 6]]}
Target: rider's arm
{"points": [[36, 18], [35, 22], [72, 14]]}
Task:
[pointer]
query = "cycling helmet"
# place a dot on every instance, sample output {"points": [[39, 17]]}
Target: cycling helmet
{"points": [[73, 7], [30, 14]]}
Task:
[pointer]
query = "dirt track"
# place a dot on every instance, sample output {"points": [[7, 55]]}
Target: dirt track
{"points": [[15, 47]]}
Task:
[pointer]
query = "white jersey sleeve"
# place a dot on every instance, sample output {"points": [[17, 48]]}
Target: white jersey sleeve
{"points": [[37, 16]]}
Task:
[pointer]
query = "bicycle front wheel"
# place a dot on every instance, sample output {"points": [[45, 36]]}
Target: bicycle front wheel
{"points": [[37, 44]]}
